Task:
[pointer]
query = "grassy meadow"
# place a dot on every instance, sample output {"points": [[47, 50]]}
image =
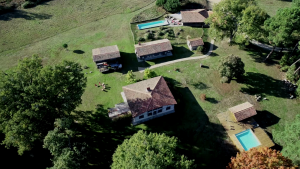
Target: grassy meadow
{"points": [[96, 23], [271, 6]]}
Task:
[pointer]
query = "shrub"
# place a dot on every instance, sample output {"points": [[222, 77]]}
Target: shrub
{"points": [[28, 4], [65, 45], [141, 39], [200, 48], [285, 68], [203, 97], [290, 74], [130, 77], [160, 2], [148, 35], [148, 73], [161, 33], [284, 60], [225, 79]]}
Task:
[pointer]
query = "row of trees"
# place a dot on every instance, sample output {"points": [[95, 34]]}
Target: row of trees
{"points": [[131, 78], [243, 20], [32, 98]]}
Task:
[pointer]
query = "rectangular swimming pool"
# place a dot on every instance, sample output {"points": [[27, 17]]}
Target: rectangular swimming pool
{"points": [[152, 24], [248, 139]]}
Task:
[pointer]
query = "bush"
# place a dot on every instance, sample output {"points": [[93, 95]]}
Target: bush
{"points": [[148, 35], [203, 97], [161, 33], [141, 39], [130, 77], [224, 79], [160, 2], [200, 48], [148, 73], [172, 5], [284, 60], [290, 74], [285, 68], [65, 45], [28, 4]]}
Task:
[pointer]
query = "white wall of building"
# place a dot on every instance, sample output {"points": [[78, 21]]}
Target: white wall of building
{"points": [[153, 114]]}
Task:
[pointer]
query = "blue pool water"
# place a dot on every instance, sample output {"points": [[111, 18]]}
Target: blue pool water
{"points": [[152, 24], [247, 139]]}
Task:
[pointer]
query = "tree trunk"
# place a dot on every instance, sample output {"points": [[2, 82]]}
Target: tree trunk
{"points": [[294, 49], [295, 62], [270, 53], [297, 70]]}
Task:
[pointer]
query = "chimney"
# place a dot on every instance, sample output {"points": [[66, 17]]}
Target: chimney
{"points": [[148, 89], [139, 43]]}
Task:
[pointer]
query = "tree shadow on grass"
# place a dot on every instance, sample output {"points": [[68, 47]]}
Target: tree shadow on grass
{"points": [[102, 135], [265, 119], [78, 51], [257, 83], [38, 157], [200, 86], [211, 100], [199, 139], [25, 15], [259, 55]]}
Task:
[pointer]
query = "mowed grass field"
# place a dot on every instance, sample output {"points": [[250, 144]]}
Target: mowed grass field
{"points": [[271, 6], [87, 25]]}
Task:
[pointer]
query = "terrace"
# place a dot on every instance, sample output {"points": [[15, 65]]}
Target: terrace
{"points": [[233, 127]]}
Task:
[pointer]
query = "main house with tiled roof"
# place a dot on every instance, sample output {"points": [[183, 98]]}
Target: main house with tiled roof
{"points": [[195, 17], [149, 99], [153, 50]]}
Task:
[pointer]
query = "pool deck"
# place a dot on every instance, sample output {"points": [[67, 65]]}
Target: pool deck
{"points": [[228, 122]]}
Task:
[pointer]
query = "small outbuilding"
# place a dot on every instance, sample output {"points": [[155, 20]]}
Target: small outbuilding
{"points": [[153, 50], [243, 111], [195, 17], [107, 58], [193, 44]]}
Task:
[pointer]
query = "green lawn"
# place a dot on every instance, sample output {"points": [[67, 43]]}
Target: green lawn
{"points": [[43, 30], [149, 14], [271, 6]]}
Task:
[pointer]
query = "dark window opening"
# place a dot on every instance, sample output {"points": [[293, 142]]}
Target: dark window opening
{"points": [[168, 108], [142, 116], [149, 114], [159, 111], [154, 113]]}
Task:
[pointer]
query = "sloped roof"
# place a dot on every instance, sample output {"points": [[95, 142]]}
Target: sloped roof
{"points": [[196, 42], [243, 111], [140, 100], [106, 53], [153, 47], [195, 15]]}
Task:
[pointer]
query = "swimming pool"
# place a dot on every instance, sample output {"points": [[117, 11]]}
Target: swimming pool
{"points": [[248, 139], [152, 24]]}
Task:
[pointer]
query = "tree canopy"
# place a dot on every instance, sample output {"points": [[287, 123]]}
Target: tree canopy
{"points": [[231, 66], [169, 5], [289, 139], [130, 77], [69, 152], [227, 15], [33, 96], [152, 150], [262, 158]]}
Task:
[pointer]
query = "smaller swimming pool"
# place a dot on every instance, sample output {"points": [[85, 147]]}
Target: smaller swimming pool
{"points": [[248, 139], [152, 24]]}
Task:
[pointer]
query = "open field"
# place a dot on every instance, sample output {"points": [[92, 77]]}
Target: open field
{"points": [[44, 29], [271, 6]]}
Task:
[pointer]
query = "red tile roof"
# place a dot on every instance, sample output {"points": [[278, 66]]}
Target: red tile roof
{"points": [[140, 100], [194, 16], [243, 111], [106, 53], [196, 42], [153, 47]]}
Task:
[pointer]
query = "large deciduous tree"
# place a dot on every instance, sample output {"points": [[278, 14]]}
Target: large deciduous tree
{"points": [[226, 17], [251, 23], [169, 5], [283, 28], [231, 66], [69, 151], [289, 139], [33, 96], [152, 150], [262, 158]]}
